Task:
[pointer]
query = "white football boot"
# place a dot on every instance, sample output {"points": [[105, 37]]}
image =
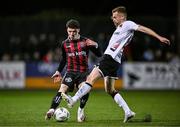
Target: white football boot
{"points": [[68, 99], [129, 116], [49, 114], [80, 115]]}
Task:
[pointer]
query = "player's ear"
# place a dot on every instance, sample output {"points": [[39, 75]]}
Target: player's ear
{"points": [[78, 30]]}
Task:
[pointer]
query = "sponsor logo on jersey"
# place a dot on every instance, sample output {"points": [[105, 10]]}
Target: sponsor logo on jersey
{"points": [[82, 53], [116, 33]]}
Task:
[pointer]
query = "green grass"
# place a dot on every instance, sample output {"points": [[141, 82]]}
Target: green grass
{"points": [[28, 107]]}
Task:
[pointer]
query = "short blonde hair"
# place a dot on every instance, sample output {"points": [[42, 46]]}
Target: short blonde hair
{"points": [[120, 9]]}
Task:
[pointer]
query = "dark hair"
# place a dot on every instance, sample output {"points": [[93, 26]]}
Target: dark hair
{"points": [[74, 24]]}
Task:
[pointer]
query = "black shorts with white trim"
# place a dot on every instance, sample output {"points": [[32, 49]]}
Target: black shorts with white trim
{"points": [[108, 66]]}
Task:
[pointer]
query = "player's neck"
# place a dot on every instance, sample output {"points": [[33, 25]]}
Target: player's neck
{"points": [[120, 24]]}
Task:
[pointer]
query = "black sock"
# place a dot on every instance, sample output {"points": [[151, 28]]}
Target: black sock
{"points": [[56, 100], [113, 93], [83, 100]]}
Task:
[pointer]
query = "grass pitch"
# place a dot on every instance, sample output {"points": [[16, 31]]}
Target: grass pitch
{"points": [[28, 108]]}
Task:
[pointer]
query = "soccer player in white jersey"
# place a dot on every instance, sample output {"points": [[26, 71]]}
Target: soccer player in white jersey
{"points": [[108, 66]]}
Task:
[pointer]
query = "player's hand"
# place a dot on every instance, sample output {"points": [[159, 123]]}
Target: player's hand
{"points": [[164, 40], [90, 42], [56, 77]]}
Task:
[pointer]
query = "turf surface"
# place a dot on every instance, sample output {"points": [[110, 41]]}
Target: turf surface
{"points": [[28, 107]]}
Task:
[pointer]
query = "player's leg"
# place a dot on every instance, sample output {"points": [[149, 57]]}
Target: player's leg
{"points": [[56, 101], [84, 89], [81, 116], [81, 112], [83, 100], [109, 88], [67, 84]]}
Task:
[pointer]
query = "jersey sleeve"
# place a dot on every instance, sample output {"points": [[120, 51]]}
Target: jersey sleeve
{"points": [[131, 25], [97, 51]]}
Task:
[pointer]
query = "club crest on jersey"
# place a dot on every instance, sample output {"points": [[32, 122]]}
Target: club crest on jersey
{"points": [[68, 79]]}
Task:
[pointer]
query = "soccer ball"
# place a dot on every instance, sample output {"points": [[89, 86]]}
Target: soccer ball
{"points": [[61, 114]]}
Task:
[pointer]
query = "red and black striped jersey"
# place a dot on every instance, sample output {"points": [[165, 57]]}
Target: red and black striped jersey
{"points": [[75, 55]]}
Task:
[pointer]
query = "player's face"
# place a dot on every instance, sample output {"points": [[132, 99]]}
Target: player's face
{"points": [[73, 34], [117, 18]]}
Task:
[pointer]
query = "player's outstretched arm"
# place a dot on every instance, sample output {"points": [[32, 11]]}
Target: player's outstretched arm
{"points": [[153, 33]]}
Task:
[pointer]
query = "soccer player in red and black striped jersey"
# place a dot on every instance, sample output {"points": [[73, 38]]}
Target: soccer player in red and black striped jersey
{"points": [[75, 50]]}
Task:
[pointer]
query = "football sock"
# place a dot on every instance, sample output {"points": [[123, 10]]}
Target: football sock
{"points": [[83, 100], [113, 93], [121, 102], [56, 100], [84, 89]]}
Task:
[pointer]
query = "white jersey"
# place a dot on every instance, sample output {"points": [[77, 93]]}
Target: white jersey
{"points": [[120, 38]]}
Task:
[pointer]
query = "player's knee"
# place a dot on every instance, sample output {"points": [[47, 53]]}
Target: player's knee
{"points": [[90, 79], [64, 88]]}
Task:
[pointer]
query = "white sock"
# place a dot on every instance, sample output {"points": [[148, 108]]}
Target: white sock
{"points": [[83, 90], [121, 102]]}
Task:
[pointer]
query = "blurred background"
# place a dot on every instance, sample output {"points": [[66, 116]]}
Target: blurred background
{"points": [[30, 33]]}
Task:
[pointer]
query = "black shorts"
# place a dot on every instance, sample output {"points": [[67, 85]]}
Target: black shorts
{"points": [[73, 79], [108, 66]]}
